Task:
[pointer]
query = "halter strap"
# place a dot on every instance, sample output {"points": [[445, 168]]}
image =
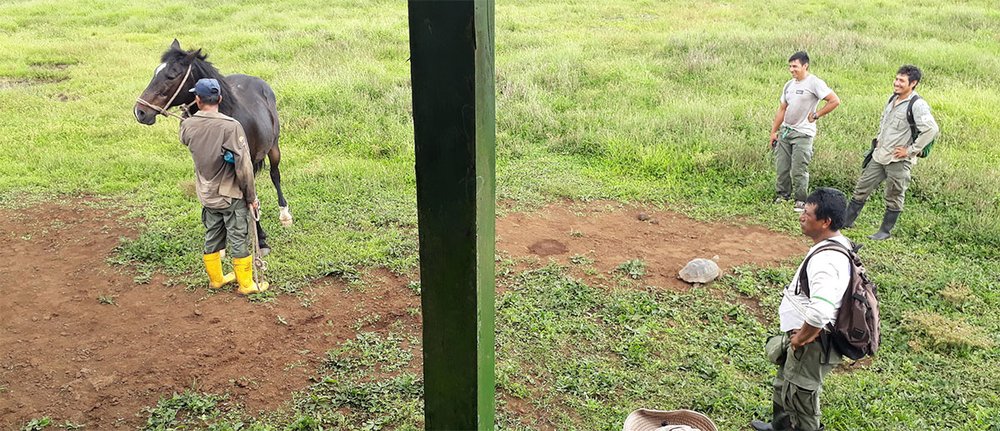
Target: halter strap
{"points": [[183, 106]]}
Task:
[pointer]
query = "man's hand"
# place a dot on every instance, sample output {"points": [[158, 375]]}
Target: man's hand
{"points": [[812, 117], [774, 139], [901, 153], [805, 335], [255, 205]]}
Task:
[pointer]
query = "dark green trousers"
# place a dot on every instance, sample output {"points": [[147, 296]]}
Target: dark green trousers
{"points": [[227, 224], [798, 385], [791, 162]]}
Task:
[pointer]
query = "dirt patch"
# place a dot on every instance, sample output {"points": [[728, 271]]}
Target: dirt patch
{"points": [[6, 83], [607, 234], [548, 247], [68, 355]]}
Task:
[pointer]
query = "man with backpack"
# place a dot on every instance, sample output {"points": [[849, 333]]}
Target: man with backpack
{"points": [[906, 131], [805, 351]]}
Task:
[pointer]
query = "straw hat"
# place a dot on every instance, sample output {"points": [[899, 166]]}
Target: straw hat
{"points": [[659, 420]]}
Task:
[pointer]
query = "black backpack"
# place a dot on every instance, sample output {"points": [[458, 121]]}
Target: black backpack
{"points": [[855, 333]]}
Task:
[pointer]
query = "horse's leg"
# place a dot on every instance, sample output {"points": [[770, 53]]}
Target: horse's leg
{"points": [[284, 215], [261, 240]]}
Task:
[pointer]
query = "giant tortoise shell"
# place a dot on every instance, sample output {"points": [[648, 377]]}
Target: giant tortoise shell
{"points": [[700, 271]]}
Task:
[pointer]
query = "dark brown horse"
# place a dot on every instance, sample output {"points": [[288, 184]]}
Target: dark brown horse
{"points": [[248, 99]]}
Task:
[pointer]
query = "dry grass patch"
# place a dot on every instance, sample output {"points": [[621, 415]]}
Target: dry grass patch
{"points": [[944, 332], [957, 294]]}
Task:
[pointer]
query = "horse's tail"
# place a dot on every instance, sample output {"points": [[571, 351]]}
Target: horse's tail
{"points": [[257, 167]]}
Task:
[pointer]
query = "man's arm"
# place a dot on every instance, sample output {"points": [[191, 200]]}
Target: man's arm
{"points": [[832, 102], [805, 335], [829, 274], [244, 164], [779, 117]]}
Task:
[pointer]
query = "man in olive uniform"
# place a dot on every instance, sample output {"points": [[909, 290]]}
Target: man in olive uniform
{"points": [[895, 151], [224, 182]]}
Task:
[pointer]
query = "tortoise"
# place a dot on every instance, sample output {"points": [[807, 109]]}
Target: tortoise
{"points": [[700, 271]]}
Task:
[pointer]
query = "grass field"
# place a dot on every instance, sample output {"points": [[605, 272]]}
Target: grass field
{"points": [[657, 102]]}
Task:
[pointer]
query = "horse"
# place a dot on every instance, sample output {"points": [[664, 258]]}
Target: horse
{"points": [[248, 99]]}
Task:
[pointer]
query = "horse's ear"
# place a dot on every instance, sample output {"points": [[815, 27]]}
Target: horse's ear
{"points": [[176, 45], [191, 56]]}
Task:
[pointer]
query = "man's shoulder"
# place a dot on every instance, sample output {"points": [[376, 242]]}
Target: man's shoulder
{"points": [[920, 104], [210, 116], [832, 247]]}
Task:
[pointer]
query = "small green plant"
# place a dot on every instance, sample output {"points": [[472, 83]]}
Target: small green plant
{"points": [[414, 287], [188, 408], [107, 300], [575, 233], [37, 424], [364, 321], [633, 269], [72, 426], [143, 278], [580, 259]]}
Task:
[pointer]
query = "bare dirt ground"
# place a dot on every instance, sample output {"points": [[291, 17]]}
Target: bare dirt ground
{"points": [[610, 234], [67, 355]]}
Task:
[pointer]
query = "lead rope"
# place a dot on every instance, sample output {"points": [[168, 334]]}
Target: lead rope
{"points": [[183, 106], [258, 261]]}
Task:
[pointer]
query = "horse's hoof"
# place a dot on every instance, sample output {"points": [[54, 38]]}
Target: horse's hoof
{"points": [[284, 216]]}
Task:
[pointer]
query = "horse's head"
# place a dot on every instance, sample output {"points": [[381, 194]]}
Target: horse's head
{"points": [[171, 81]]}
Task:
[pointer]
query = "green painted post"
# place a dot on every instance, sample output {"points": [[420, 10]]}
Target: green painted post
{"points": [[451, 68]]}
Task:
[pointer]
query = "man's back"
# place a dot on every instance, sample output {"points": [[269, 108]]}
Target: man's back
{"points": [[208, 135]]}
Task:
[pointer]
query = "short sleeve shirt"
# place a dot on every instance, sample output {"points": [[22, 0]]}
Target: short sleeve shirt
{"points": [[802, 98]]}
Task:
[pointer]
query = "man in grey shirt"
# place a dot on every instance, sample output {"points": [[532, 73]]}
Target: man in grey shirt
{"points": [[895, 150], [794, 129]]}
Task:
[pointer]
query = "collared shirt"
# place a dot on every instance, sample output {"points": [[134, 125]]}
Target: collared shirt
{"points": [[829, 273], [802, 98], [208, 135], [894, 130]]}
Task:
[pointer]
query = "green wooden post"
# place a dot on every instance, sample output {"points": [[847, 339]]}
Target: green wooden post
{"points": [[451, 67]]}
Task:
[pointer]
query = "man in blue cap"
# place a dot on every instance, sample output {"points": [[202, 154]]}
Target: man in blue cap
{"points": [[224, 182]]}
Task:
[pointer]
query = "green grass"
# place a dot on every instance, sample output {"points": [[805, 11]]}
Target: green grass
{"points": [[658, 102]]}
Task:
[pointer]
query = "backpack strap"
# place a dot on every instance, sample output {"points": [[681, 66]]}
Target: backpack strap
{"points": [[803, 285], [909, 119]]}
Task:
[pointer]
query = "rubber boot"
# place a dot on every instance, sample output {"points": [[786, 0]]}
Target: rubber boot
{"points": [[244, 275], [213, 266], [888, 221], [761, 426], [853, 210]]}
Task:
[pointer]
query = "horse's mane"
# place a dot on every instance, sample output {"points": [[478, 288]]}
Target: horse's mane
{"points": [[200, 68]]}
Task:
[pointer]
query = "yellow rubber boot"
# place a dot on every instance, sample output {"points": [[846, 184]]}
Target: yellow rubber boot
{"points": [[244, 275], [213, 266]]}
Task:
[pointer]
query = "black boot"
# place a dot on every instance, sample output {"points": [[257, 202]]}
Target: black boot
{"points": [[888, 221], [853, 210], [761, 426]]}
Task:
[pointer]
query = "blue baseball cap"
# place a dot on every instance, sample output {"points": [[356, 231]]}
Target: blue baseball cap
{"points": [[206, 87]]}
